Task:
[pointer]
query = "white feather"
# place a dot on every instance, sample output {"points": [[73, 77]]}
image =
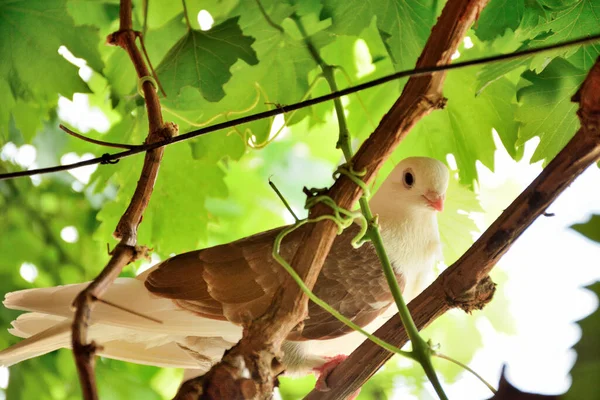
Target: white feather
{"points": [[123, 335]]}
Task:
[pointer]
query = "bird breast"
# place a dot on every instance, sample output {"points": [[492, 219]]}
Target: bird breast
{"points": [[412, 242]]}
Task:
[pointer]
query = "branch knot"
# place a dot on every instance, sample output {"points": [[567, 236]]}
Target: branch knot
{"points": [[168, 131], [117, 37], [474, 298]]}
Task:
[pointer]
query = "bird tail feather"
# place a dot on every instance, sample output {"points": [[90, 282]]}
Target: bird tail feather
{"points": [[122, 335], [43, 335], [131, 294]]}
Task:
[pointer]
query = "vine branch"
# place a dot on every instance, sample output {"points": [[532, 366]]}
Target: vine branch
{"points": [[248, 370], [466, 283], [416, 72], [127, 249]]}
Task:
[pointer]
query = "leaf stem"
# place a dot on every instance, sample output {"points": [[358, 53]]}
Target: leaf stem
{"points": [[267, 18], [421, 350], [185, 14], [283, 200]]}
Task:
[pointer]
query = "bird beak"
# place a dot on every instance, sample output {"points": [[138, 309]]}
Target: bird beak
{"points": [[435, 200]]}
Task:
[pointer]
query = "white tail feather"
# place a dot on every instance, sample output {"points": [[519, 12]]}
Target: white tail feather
{"points": [[181, 340], [45, 333], [129, 293], [42, 342]]}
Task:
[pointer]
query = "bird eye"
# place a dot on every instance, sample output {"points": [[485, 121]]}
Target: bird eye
{"points": [[409, 179]]}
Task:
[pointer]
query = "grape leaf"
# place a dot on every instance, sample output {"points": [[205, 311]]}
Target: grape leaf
{"points": [[363, 59], [581, 19], [586, 56], [549, 23], [281, 77], [160, 41], [30, 34], [464, 127], [586, 370], [203, 59], [8, 101], [498, 16], [404, 25], [178, 201], [100, 13], [590, 229], [546, 109], [456, 228]]}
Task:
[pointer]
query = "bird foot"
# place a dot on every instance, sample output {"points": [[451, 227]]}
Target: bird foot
{"points": [[324, 370]]}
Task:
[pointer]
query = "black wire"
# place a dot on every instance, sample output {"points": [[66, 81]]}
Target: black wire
{"points": [[108, 158]]}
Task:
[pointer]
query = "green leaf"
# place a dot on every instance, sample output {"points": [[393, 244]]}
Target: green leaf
{"points": [[363, 59], [30, 34], [170, 210], [456, 227], [28, 118], [590, 229], [464, 127], [8, 101], [546, 109], [281, 77], [404, 25], [586, 56], [100, 13], [498, 16], [581, 19], [203, 59], [160, 41], [586, 370], [178, 200], [548, 23]]}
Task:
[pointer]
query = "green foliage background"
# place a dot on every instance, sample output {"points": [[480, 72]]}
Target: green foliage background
{"points": [[214, 189]]}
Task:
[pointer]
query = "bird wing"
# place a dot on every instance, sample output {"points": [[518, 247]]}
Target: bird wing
{"points": [[352, 282], [237, 282], [234, 281]]}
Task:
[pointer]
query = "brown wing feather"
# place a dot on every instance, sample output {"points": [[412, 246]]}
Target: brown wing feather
{"points": [[234, 281], [237, 281], [353, 283]]}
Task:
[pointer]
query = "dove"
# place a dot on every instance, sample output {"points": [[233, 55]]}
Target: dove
{"points": [[203, 298]]}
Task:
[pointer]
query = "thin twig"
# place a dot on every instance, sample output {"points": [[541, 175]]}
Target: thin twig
{"points": [[421, 71], [127, 310], [268, 18], [145, 24], [127, 249], [154, 74], [95, 141], [185, 14], [283, 200]]}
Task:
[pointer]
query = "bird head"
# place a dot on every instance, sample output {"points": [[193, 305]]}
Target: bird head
{"points": [[418, 183]]}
